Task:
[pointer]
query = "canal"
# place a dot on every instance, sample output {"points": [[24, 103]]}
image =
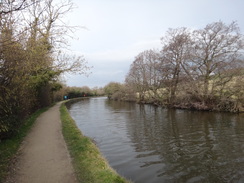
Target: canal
{"points": [[148, 144]]}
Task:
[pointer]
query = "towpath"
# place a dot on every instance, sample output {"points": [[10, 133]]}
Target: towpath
{"points": [[43, 156]]}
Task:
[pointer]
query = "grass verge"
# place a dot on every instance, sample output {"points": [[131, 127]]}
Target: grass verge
{"points": [[9, 147], [90, 166]]}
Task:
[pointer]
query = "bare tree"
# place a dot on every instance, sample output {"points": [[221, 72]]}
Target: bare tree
{"points": [[216, 50], [199, 69], [9, 6], [175, 58], [144, 74]]}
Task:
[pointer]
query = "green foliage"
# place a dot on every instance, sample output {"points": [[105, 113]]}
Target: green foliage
{"points": [[113, 89], [90, 166], [8, 126], [74, 92], [56, 86], [30, 60]]}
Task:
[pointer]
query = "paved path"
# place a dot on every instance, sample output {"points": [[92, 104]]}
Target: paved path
{"points": [[43, 157]]}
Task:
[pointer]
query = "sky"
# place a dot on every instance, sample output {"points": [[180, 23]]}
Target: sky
{"points": [[115, 31]]}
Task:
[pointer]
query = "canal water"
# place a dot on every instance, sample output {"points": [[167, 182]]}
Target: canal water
{"points": [[148, 144]]}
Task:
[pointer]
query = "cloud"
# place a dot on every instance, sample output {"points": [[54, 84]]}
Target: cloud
{"points": [[117, 31], [122, 55], [111, 64]]}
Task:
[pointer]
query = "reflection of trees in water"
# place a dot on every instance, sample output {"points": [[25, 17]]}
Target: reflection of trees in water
{"points": [[188, 145]]}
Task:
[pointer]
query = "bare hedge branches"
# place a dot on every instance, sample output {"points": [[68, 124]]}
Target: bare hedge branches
{"points": [[7, 6]]}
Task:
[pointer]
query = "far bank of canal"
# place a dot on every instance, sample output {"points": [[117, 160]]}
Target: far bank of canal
{"points": [[149, 144]]}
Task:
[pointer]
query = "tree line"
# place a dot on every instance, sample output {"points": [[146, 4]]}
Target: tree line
{"points": [[195, 69], [32, 57], [75, 92]]}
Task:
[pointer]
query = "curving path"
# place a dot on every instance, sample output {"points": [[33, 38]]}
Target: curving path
{"points": [[43, 156]]}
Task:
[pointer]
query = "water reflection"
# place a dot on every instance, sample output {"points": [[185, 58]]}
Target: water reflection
{"points": [[151, 144]]}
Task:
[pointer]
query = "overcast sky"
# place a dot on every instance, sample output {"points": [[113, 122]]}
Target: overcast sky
{"points": [[118, 30]]}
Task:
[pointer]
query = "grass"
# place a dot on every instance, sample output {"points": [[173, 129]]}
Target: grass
{"points": [[90, 166], [9, 147]]}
